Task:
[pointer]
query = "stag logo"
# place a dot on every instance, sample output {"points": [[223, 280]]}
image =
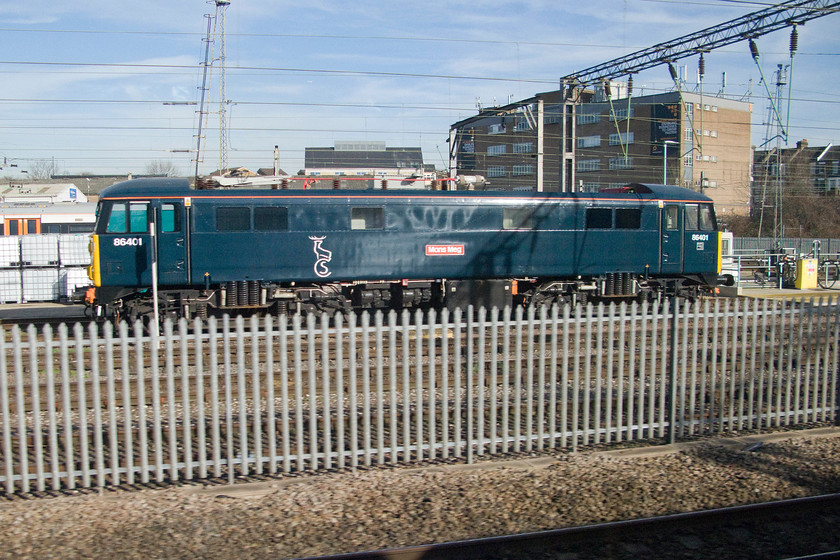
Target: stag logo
{"points": [[323, 257]]}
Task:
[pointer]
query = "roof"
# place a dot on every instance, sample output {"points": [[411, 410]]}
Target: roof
{"points": [[179, 188], [390, 158], [665, 192], [53, 192]]}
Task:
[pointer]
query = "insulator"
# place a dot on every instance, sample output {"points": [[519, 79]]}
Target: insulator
{"points": [[629, 85], [794, 40], [232, 294], [673, 71], [607, 90], [241, 292], [336, 183], [253, 292], [702, 66], [754, 49]]}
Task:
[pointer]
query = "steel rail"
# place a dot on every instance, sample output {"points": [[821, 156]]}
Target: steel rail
{"points": [[598, 533]]}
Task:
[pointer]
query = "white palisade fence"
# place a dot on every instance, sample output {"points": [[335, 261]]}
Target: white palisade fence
{"points": [[229, 398]]}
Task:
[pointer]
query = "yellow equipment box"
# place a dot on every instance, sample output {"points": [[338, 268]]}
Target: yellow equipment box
{"points": [[806, 274]]}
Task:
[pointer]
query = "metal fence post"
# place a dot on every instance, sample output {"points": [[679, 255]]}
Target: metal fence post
{"points": [[672, 374]]}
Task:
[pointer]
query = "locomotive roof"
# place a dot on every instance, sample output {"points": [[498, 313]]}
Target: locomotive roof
{"points": [[171, 188]]}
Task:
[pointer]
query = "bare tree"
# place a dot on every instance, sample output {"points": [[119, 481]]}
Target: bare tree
{"points": [[160, 167], [43, 169]]}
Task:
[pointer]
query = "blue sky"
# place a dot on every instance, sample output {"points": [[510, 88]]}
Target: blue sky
{"points": [[91, 85]]}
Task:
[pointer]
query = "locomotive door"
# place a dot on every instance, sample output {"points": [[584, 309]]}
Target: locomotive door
{"points": [[672, 239], [171, 230]]}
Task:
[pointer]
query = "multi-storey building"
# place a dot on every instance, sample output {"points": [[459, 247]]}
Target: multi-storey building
{"points": [[811, 169], [606, 142]]}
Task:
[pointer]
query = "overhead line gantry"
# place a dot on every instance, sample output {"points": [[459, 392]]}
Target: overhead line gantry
{"points": [[750, 26]]}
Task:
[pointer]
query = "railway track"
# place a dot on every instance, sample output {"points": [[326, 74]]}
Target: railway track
{"points": [[783, 529]]}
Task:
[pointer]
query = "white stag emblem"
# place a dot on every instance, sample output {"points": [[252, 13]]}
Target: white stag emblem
{"points": [[323, 257]]}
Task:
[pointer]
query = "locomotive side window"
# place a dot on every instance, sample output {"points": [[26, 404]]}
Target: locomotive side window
{"points": [[271, 218], [518, 218], [707, 218], [628, 218], [233, 218], [598, 218], [367, 218], [170, 218], [672, 217]]}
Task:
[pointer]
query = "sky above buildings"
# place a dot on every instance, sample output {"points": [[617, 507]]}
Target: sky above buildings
{"points": [[111, 87]]}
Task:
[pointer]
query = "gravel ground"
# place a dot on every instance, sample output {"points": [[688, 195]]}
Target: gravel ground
{"points": [[347, 512]]}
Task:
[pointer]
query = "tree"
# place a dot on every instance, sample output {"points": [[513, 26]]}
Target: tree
{"points": [[160, 167], [43, 169]]}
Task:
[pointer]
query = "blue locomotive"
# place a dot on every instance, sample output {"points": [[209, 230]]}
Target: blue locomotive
{"points": [[290, 251]]}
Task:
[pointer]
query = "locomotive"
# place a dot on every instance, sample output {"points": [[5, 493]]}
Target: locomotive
{"points": [[205, 252]]}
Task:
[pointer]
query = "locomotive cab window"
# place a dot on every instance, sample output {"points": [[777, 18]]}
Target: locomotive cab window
{"points": [[707, 218], [233, 218], [367, 218], [598, 218], [691, 220], [518, 218], [130, 217]]}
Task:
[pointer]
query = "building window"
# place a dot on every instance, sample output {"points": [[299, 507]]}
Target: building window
{"points": [[589, 141], [621, 163], [519, 170], [713, 133], [590, 187], [621, 114], [496, 129], [588, 118], [621, 138], [687, 161], [523, 148], [521, 126], [496, 171], [589, 165], [497, 150]]}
